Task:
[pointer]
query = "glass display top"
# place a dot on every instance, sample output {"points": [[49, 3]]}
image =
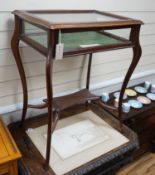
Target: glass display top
{"points": [[88, 17], [61, 19]]}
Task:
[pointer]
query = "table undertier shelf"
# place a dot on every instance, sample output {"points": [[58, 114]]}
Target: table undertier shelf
{"points": [[80, 97]]}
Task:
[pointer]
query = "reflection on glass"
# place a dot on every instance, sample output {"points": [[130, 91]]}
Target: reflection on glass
{"points": [[29, 28], [75, 17], [124, 33]]}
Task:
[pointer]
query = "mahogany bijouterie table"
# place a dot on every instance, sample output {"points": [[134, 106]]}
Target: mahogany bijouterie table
{"points": [[58, 34]]}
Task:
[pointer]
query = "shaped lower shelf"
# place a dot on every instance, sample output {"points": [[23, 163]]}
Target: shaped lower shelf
{"points": [[64, 102]]}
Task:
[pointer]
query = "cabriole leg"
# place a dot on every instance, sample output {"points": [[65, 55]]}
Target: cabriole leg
{"points": [[134, 38], [49, 89], [15, 49]]}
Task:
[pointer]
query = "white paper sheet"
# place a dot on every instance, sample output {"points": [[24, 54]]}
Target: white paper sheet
{"points": [[77, 137], [62, 166]]}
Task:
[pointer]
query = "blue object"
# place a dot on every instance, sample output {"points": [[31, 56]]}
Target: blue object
{"points": [[140, 89], [126, 107], [151, 96], [135, 104], [105, 97]]}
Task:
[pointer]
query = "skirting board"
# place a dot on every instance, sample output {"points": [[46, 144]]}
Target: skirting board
{"points": [[12, 112]]}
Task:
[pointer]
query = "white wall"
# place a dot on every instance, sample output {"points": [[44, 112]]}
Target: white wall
{"points": [[67, 73]]}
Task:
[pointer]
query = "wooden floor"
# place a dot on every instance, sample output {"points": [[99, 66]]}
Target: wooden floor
{"points": [[143, 166]]}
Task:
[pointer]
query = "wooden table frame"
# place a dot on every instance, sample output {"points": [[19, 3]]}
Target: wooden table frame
{"points": [[53, 32]]}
